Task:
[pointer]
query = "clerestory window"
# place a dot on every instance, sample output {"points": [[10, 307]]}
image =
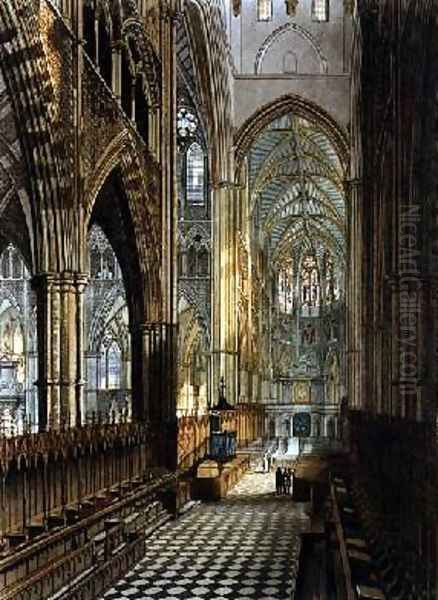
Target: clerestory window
{"points": [[320, 10]]}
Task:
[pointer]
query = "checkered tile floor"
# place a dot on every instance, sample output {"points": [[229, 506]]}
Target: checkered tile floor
{"points": [[245, 547]]}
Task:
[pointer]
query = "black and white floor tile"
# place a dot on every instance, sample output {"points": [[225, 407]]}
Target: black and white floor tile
{"points": [[245, 547]]}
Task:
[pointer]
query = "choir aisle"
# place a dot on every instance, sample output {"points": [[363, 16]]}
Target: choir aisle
{"points": [[245, 547]]}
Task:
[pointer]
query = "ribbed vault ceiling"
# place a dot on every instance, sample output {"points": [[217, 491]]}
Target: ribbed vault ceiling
{"points": [[296, 185]]}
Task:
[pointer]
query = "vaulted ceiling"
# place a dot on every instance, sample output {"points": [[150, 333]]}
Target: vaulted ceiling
{"points": [[296, 186]]}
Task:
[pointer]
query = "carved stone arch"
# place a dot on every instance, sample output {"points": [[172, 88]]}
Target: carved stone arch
{"points": [[210, 55], [104, 9], [121, 156], [146, 225], [133, 28], [190, 298], [16, 212], [197, 230], [280, 32], [28, 79], [101, 317], [192, 337], [283, 105]]}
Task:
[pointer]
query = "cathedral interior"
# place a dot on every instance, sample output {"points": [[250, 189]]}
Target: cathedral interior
{"points": [[218, 275]]}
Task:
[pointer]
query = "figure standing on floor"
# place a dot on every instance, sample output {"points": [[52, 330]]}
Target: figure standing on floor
{"points": [[288, 481], [285, 481], [269, 463], [278, 481]]}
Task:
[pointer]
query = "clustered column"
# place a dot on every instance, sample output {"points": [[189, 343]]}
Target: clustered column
{"points": [[60, 322], [354, 298], [224, 301]]}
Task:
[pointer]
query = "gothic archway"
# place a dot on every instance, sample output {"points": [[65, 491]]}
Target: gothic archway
{"points": [[290, 103], [107, 336], [292, 163], [18, 346], [131, 305]]}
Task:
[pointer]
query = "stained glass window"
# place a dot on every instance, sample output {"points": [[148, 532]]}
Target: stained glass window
{"points": [[113, 366], [195, 184], [286, 288], [310, 286]]}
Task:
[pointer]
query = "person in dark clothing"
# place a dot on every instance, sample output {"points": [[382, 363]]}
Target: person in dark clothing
{"points": [[278, 480]]}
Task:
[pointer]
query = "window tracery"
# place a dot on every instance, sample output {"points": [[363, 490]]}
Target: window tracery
{"points": [[195, 174], [286, 287], [18, 358], [310, 290], [108, 353]]}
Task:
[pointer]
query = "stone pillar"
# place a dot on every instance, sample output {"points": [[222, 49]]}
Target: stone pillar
{"points": [[117, 70], [92, 360], [354, 297], [224, 300], [153, 349], [60, 322], [167, 148]]}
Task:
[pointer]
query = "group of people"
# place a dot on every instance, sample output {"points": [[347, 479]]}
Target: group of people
{"points": [[284, 480]]}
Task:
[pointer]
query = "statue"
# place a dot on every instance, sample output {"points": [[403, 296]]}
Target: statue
{"points": [[291, 7], [236, 7]]}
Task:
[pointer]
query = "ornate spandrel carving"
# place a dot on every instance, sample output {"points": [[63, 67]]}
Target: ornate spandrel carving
{"points": [[57, 45], [102, 116]]}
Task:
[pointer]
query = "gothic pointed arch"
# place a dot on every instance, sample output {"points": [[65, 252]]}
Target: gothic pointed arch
{"points": [[121, 163], [210, 53], [290, 103], [29, 81]]}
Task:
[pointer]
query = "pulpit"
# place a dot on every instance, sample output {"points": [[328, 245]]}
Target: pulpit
{"points": [[223, 469], [223, 444]]}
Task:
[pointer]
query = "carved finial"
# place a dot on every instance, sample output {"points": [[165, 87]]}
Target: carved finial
{"points": [[291, 7], [236, 7]]}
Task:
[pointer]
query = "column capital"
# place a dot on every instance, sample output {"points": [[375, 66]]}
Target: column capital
{"points": [[149, 325], [59, 278], [222, 185]]}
